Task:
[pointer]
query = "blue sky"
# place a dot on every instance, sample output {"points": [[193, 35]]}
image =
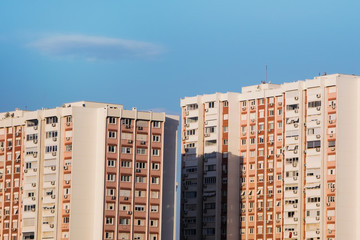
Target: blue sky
{"points": [[148, 54]]}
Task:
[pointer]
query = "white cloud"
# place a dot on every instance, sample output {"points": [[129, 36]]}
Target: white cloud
{"points": [[94, 48]]}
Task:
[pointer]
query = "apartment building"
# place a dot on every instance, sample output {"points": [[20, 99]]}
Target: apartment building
{"points": [[87, 170], [273, 162]]}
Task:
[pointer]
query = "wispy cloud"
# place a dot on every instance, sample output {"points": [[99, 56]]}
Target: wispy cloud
{"points": [[95, 47]]}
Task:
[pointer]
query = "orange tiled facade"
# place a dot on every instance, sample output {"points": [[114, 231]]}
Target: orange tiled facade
{"points": [[86, 169]]}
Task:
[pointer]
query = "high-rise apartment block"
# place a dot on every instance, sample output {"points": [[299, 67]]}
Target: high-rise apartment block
{"points": [[273, 162], [89, 171]]}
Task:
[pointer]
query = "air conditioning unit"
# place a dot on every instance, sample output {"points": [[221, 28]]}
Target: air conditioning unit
{"points": [[206, 110], [317, 122], [267, 221], [296, 219], [318, 108], [206, 123], [295, 178], [295, 233], [243, 108], [33, 198], [52, 211], [295, 206], [250, 209], [113, 197], [330, 121], [259, 208], [126, 198], [51, 225], [267, 209], [277, 220], [187, 125], [53, 168], [53, 196], [318, 176], [54, 139], [35, 169], [296, 137], [34, 154], [331, 135], [142, 143], [129, 212], [52, 182], [129, 141], [54, 154], [25, 170], [138, 170], [17, 134], [317, 231], [67, 138], [67, 123], [318, 204], [186, 113], [2, 149], [67, 182], [279, 103], [33, 184], [296, 110], [333, 190], [252, 120], [328, 204], [140, 128], [333, 106], [317, 218], [252, 107], [329, 218], [277, 155], [66, 167], [296, 98], [318, 149], [296, 125], [318, 95], [252, 132], [295, 191], [67, 211], [318, 136], [333, 149], [65, 196], [295, 151], [14, 229], [53, 124], [259, 131], [207, 135], [36, 127]]}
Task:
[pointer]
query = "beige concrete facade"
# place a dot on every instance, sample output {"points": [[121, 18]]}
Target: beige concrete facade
{"points": [[277, 154], [63, 176]]}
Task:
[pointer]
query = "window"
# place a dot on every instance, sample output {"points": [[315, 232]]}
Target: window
{"points": [[155, 194], [126, 164], [331, 143], [156, 124], [313, 144], [49, 149], [124, 221], [111, 148], [252, 140], [156, 138], [50, 134], [126, 121], [51, 120], [192, 106], [156, 152], [141, 151], [271, 112], [226, 103], [68, 148], [314, 104], [190, 132], [125, 178], [112, 120], [111, 163], [126, 150], [112, 134], [153, 223], [292, 107], [211, 104], [109, 221], [155, 166], [110, 177], [155, 180], [68, 119], [140, 165], [154, 208], [139, 208]]}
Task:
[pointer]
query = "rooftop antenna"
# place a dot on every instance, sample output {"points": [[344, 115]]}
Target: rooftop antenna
{"points": [[263, 82]]}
